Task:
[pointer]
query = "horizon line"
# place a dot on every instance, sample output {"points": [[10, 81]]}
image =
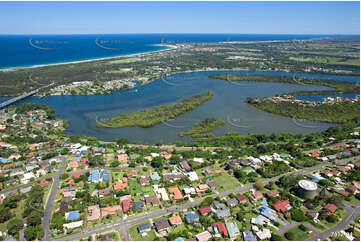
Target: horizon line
{"points": [[358, 34]]}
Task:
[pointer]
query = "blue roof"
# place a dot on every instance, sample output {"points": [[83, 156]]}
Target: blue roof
{"points": [[155, 176], [316, 177], [104, 175], [268, 212], [94, 176], [5, 160], [73, 215], [143, 227], [191, 217], [138, 205], [249, 236]]}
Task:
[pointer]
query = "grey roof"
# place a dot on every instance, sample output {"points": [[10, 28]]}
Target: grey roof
{"points": [[161, 224], [232, 202]]}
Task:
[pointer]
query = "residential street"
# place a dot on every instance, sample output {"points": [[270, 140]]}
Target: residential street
{"points": [[131, 221], [50, 201]]}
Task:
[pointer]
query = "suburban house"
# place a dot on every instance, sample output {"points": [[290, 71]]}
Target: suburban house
{"points": [[93, 213], [232, 229], [162, 226], [176, 193], [110, 210], [205, 210], [191, 217], [153, 200], [330, 208], [221, 228], [204, 236], [175, 220], [282, 206], [143, 229]]}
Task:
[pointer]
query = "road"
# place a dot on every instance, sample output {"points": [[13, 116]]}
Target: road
{"points": [[133, 220], [351, 214], [50, 201]]}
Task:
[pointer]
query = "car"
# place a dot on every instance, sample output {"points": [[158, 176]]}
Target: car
{"points": [[353, 206]]}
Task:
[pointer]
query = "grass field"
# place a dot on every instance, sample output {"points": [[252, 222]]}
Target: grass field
{"points": [[128, 60], [134, 234], [328, 60], [226, 182], [299, 234]]}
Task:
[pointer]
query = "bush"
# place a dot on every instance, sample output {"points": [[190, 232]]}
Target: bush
{"points": [[290, 235], [332, 219], [276, 237], [302, 227], [298, 215]]}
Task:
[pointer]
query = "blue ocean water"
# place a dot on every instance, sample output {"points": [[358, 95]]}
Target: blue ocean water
{"points": [[26, 50]]}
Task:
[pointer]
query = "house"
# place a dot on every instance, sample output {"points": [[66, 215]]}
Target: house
{"points": [[249, 236], [144, 181], [221, 228], [27, 176], [143, 229], [189, 190], [242, 198], [161, 192], [260, 220], [205, 210], [213, 185], [119, 185], [221, 210], [93, 213], [202, 188], [132, 174], [265, 234], [123, 158], [314, 154], [94, 177], [341, 192], [312, 214], [77, 175], [161, 226], [175, 192], [126, 204], [232, 202], [73, 225], [272, 193], [204, 236], [352, 189], [110, 210], [191, 217], [25, 190], [44, 184], [185, 165], [138, 205], [172, 176], [175, 220], [316, 177], [155, 176], [98, 151], [268, 213], [282, 206], [72, 216], [153, 200], [104, 175], [330, 208], [256, 195], [199, 160], [73, 164], [193, 176], [104, 192], [232, 229]]}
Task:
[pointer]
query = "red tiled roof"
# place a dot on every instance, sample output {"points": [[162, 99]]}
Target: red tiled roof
{"points": [[126, 204], [44, 184], [205, 210], [221, 227], [77, 174], [281, 206], [331, 208]]}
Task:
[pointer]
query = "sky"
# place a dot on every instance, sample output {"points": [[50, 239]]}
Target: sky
{"points": [[179, 17]]}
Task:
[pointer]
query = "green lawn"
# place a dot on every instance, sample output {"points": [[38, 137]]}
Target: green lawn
{"points": [[226, 182], [299, 234], [134, 234], [134, 187]]}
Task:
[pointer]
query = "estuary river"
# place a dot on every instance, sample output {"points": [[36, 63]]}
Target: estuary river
{"points": [[227, 104]]}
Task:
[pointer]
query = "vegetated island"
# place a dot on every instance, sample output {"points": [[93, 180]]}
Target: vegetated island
{"points": [[149, 117], [332, 113], [338, 86], [203, 128]]}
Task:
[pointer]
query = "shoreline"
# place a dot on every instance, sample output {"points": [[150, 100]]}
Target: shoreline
{"points": [[168, 47]]}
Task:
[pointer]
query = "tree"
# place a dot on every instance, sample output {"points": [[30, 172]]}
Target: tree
{"points": [[302, 227], [259, 185], [4, 214], [31, 233], [332, 219], [14, 226], [34, 218], [290, 235], [276, 237], [298, 215], [207, 201]]}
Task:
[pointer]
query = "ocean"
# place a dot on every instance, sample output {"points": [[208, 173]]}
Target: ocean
{"points": [[18, 51]]}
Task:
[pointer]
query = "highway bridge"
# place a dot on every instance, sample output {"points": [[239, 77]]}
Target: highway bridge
{"points": [[18, 98]]}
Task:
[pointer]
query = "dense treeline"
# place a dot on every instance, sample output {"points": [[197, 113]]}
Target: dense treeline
{"points": [[150, 117], [332, 113], [204, 126], [338, 86], [26, 107]]}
